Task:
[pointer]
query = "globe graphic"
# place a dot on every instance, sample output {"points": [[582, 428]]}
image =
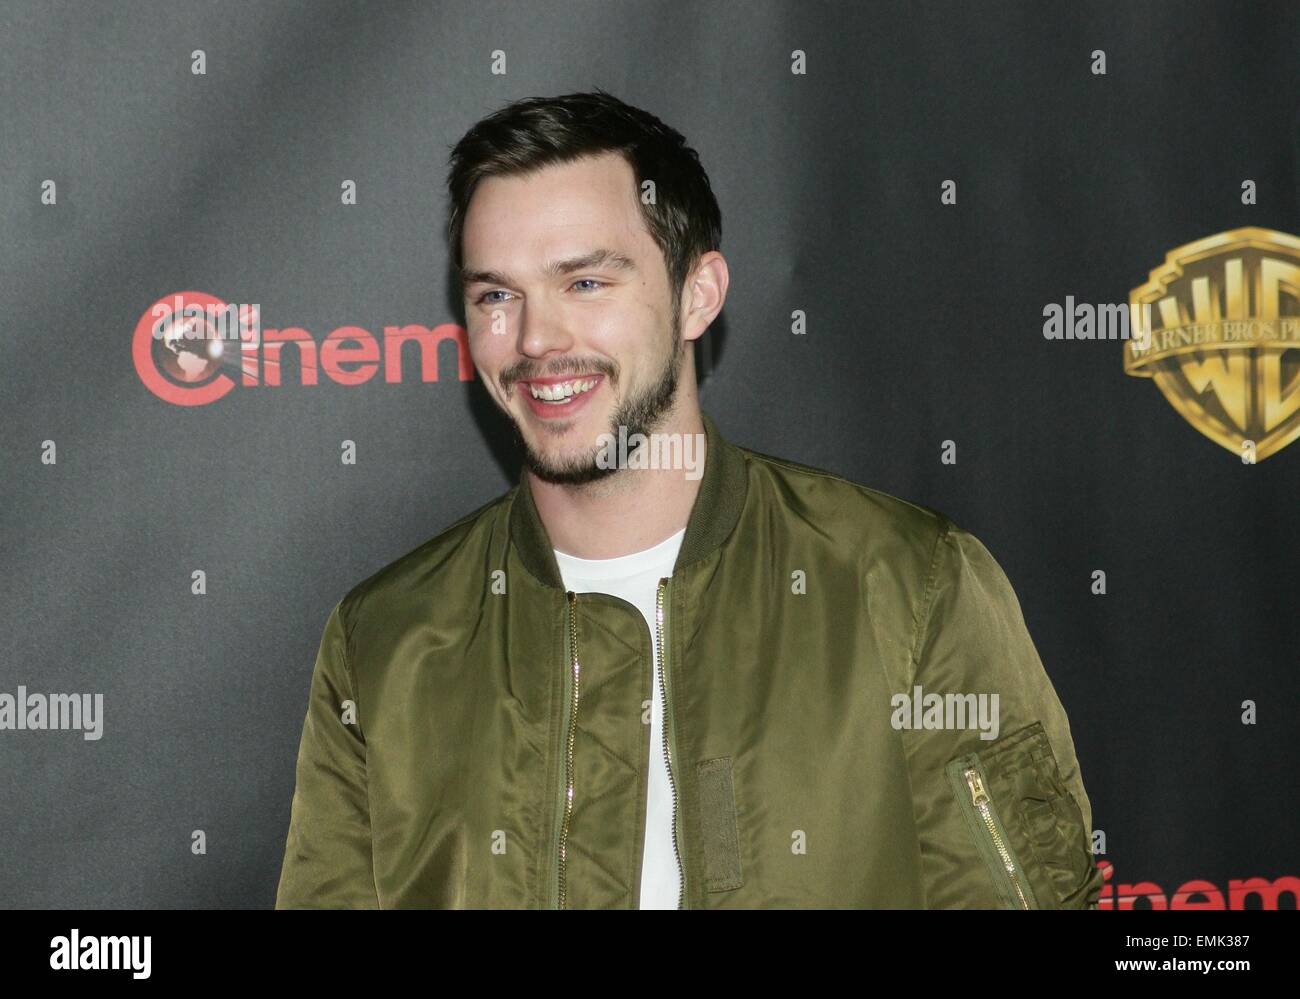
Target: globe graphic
{"points": [[189, 350]]}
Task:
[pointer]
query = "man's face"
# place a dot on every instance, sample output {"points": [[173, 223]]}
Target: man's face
{"points": [[568, 298]]}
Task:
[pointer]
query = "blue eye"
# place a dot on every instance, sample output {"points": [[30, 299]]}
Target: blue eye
{"points": [[485, 297]]}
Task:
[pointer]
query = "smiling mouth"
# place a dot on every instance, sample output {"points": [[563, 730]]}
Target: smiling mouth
{"points": [[561, 393]]}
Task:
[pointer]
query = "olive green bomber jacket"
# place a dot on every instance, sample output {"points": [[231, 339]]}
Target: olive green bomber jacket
{"points": [[476, 737]]}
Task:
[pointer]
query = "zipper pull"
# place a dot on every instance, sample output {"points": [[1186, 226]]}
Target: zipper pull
{"points": [[977, 793]]}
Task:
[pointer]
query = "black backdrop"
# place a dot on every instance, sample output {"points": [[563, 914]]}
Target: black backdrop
{"points": [[924, 325]]}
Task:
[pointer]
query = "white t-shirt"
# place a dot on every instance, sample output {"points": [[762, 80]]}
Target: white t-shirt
{"points": [[635, 578]]}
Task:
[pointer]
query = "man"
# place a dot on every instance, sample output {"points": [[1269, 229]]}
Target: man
{"points": [[627, 683]]}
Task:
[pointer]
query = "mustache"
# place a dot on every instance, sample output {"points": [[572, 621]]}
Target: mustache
{"points": [[568, 369]]}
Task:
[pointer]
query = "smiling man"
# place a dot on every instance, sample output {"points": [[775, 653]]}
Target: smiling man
{"points": [[626, 686]]}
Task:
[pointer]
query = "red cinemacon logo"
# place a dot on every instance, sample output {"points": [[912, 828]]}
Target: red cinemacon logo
{"points": [[191, 348], [1198, 893]]}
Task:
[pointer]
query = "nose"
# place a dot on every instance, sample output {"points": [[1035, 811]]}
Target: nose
{"points": [[541, 330]]}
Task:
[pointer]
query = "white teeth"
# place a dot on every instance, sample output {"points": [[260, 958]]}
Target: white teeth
{"points": [[561, 391]]}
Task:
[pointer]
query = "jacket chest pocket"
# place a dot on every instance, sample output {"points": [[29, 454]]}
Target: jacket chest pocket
{"points": [[1025, 822]]}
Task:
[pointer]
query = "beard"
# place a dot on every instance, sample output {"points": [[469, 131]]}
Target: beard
{"points": [[641, 413]]}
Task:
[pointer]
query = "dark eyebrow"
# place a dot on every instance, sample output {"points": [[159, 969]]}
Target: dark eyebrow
{"points": [[596, 258]]}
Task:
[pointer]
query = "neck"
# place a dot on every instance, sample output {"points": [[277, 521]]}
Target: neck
{"points": [[628, 511]]}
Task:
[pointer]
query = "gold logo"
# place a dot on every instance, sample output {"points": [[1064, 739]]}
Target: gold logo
{"points": [[1218, 328]]}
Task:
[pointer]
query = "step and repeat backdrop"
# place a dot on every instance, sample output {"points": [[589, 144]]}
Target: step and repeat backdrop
{"points": [[1035, 266]]}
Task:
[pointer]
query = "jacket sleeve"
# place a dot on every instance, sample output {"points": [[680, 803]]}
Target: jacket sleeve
{"points": [[327, 857], [1027, 843]]}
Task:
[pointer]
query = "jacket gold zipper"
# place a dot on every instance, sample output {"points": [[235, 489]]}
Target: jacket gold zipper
{"points": [[667, 728], [560, 886], [980, 799]]}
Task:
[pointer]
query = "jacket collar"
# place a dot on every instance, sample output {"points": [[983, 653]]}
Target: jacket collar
{"points": [[716, 510]]}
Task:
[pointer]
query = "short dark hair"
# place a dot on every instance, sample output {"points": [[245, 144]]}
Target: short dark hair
{"points": [[536, 132]]}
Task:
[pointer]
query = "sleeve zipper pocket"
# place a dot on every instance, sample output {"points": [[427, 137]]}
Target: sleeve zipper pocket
{"points": [[970, 785]]}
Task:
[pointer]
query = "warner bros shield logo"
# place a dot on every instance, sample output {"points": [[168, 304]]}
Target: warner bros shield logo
{"points": [[1218, 328]]}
